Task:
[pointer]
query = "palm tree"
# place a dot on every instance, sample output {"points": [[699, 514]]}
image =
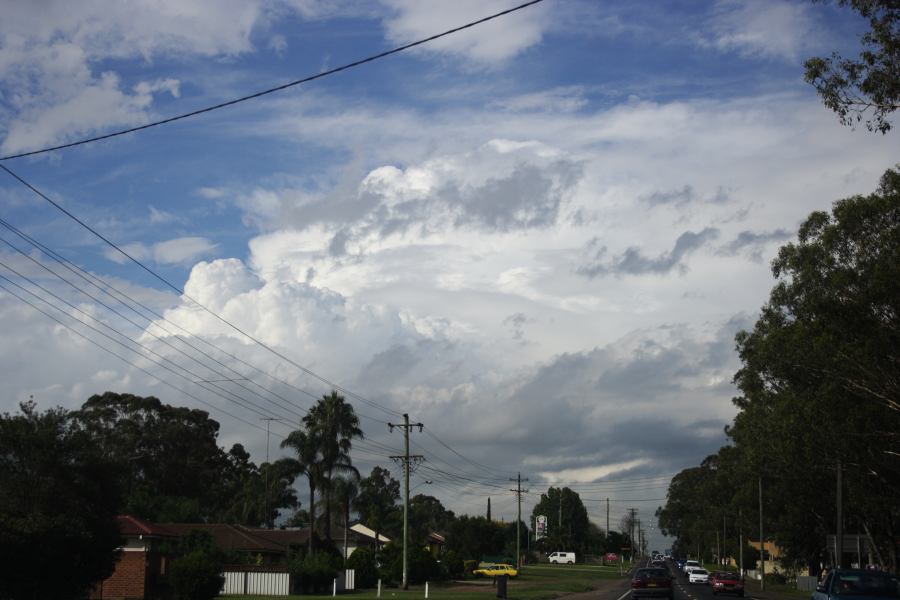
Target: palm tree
{"points": [[344, 491], [334, 424], [308, 462]]}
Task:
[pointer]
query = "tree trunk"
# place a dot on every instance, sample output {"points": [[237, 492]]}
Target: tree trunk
{"points": [[312, 513], [327, 498]]}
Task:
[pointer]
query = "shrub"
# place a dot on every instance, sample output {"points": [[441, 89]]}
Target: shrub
{"points": [[315, 572], [453, 564], [363, 562], [421, 565], [197, 576]]}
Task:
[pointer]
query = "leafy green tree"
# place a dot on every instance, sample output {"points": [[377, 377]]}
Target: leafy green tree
{"points": [[821, 364], [363, 561], [171, 467], [569, 533], [471, 538], [867, 87], [819, 391], [377, 500], [197, 573], [427, 514], [58, 503]]}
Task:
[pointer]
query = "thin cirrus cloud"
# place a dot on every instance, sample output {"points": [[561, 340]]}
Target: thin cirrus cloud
{"points": [[763, 28], [493, 43], [178, 251]]}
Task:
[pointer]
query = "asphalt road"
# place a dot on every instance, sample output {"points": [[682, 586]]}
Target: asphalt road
{"points": [[688, 591]]}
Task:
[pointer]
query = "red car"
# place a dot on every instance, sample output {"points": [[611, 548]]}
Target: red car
{"points": [[652, 583], [723, 582]]}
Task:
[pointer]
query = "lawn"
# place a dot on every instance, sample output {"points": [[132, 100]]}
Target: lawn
{"points": [[535, 582]]}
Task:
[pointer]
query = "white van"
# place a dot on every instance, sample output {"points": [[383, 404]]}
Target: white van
{"points": [[562, 557]]}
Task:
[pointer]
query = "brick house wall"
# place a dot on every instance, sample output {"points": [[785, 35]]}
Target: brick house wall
{"points": [[127, 582]]}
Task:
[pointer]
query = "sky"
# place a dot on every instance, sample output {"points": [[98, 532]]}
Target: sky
{"points": [[537, 237]]}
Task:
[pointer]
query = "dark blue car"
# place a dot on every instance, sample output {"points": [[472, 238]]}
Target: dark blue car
{"points": [[857, 584]]}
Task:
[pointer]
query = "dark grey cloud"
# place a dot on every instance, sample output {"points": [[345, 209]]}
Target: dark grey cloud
{"points": [[530, 197], [685, 195], [634, 262], [517, 322], [752, 243]]}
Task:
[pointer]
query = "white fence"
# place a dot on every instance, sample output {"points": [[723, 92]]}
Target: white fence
{"points": [[273, 583], [263, 583]]}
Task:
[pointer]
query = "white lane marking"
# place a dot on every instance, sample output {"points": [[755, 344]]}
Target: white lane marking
{"points": [[623, 595]]}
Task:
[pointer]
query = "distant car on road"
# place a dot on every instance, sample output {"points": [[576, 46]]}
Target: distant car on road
{"points": [[723, 582], [856, 584], [690, 565], [496, 571], [652, 583], [698, 576], [679, 563], [562, 557]]}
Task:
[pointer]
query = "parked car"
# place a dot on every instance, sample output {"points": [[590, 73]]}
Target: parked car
{"points": [[698, 575], [723, 582], [562, 557], [652, 582], [496, 570], [690, 565], [857, 584]]}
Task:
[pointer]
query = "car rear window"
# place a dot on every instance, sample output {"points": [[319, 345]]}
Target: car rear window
{"points": [[650, 573], [700, 572], [868, 584]]}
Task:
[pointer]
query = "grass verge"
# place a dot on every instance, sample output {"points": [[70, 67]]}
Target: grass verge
{"points": [[535, 582]]}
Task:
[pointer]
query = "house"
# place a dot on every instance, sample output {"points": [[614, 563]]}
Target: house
{"points": [[264, 546], [360, 535], [143, 560]]}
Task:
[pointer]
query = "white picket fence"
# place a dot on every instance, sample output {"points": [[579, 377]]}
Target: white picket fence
{"points": [[257, 583], [272, 583]]}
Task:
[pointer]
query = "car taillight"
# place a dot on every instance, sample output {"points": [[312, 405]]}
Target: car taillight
{"points": [[637, 583]]}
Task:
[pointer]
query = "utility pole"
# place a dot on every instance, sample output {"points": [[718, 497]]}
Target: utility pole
{"points": [[268, 420], [631, 512], [741, 542], [762, 542], [519, 491], [640, 544], [607, 520], [724, 537], [718, 551], [406, 459], [839, 530]]}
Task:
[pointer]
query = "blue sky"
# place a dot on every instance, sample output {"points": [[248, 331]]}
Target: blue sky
{"points": [[538, 236]]}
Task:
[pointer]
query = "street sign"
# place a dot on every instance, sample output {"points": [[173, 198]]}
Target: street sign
{"points": [[540, 528]]}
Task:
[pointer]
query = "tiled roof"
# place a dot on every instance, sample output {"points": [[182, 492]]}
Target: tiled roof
{"points": [[231, 537], [132, 527]]}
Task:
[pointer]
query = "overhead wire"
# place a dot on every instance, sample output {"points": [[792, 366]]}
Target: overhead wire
{"points": [[175, 369], [196, 303], [123, 359], [162, 340], [278, 88]]}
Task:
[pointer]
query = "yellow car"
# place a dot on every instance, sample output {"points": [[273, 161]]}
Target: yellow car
{"points": [[496, 571]]}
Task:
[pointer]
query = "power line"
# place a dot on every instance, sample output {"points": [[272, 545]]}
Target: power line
{"points": [[193, 376], [279, 88], [181, 292], [100, 346]]}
